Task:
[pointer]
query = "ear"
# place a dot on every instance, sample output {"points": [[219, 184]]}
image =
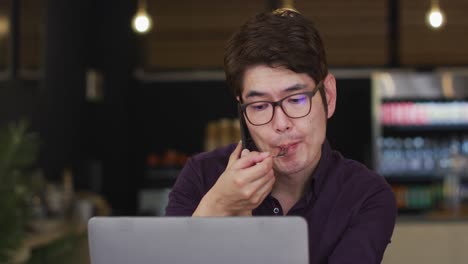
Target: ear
{"points": [[238, 99], [329, 84]]}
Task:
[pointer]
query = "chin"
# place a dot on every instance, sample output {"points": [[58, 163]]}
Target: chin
{"points": [[291, 164], [302, 159]]}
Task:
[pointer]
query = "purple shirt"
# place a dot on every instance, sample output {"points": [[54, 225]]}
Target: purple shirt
{"points": [[349, 209]]}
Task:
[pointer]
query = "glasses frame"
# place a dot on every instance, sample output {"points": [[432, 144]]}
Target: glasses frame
{"points": [[279, 103]]}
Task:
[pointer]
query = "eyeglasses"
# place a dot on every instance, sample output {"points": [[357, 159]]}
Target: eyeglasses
{"points": [[294, 106]]}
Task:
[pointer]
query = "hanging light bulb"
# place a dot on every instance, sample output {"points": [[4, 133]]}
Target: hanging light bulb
{"points": [[435, 17], [141, 21]]}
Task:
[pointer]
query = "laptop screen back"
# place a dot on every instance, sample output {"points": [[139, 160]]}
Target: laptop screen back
{"points": [[228, 240]]}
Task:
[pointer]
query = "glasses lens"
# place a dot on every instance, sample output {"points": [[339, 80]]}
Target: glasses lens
{"points": [[294, 106], [297, 105], [259, 113]]}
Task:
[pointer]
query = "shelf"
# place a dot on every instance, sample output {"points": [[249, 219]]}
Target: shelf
{"points": [[162, 174], [413, 178], [416, 99], [414, 211], [160, 178], [422, 128]]}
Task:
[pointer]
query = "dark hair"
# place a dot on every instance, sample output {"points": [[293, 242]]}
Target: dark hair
{"points": [[282, 38]]}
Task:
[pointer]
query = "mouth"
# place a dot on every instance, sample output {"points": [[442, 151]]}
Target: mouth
{"points": [[282, 152], [284, 149]]}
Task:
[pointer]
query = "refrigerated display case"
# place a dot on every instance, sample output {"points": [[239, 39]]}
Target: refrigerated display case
{"points": [[420, 130]]}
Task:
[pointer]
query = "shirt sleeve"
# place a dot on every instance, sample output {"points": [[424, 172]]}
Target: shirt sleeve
{"points": [[186, 193], [369, 231]]}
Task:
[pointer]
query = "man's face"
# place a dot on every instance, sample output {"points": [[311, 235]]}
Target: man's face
{"points": [[301, 138]]}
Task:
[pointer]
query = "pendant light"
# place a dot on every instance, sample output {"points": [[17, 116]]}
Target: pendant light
{"points": [[141, 22], [435, 18]]}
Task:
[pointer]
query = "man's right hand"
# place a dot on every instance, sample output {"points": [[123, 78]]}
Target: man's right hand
{"points": [[242, 187]]}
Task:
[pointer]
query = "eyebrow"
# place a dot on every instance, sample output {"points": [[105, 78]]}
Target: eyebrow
{"points": [[296, 87]]}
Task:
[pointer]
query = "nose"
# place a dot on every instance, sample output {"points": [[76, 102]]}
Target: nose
{"points": [[281, 122]]}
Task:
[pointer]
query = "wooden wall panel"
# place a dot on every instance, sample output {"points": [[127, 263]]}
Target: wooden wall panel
{"points": [[354, 32], [32, 34], [420, 45], [192, 34], [5, 6]]}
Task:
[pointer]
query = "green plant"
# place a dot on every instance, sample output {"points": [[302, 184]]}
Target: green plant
{"points": [[18, 152]]}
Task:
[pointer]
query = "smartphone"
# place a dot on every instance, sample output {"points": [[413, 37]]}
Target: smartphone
{"points": [[247, 141]]}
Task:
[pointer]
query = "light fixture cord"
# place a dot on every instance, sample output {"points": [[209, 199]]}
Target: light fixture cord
{"points": [[288, 4], [142, 5]]}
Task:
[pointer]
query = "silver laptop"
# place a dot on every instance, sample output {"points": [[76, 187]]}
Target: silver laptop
{"points": [[204, 240]]}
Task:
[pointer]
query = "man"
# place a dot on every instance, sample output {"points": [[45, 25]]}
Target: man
{"points": [[276, 66]]}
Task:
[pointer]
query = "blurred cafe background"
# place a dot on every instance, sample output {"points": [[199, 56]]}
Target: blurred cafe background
{"points": [[102, 102]]}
